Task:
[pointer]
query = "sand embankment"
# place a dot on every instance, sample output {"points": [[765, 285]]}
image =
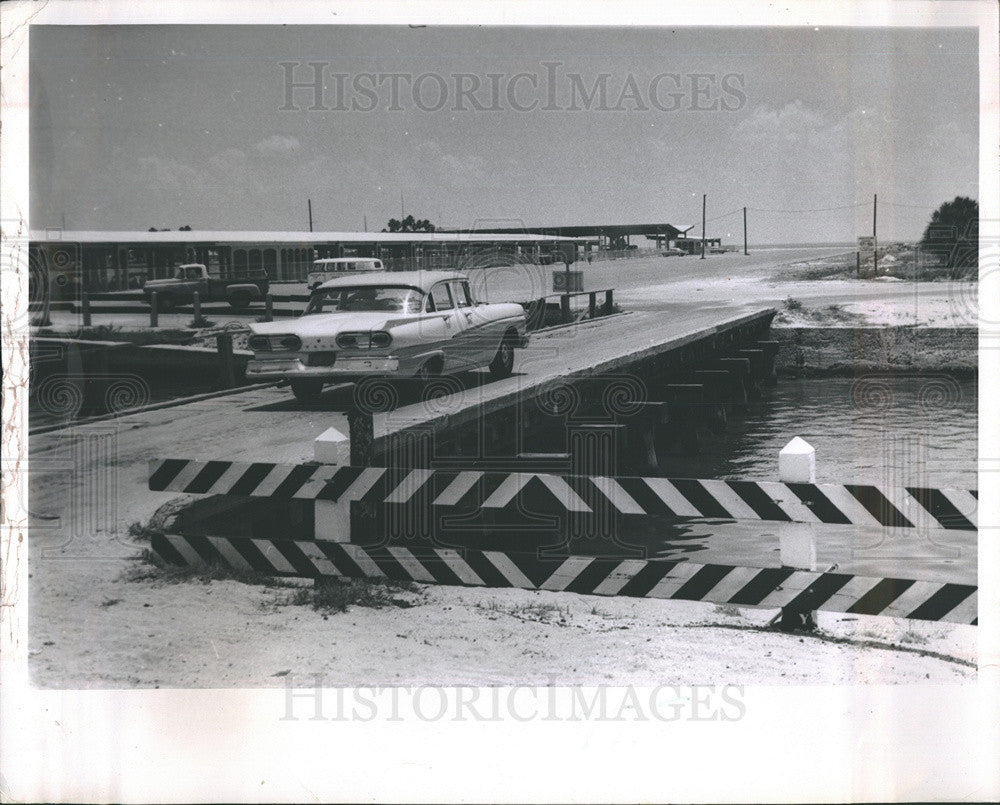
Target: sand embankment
{"points": [[849, 350]]}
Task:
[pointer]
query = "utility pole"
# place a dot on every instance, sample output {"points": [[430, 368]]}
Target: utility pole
{"points": [[366, 222], [402, 209], [310, 214], [703, 201], [745, 231], [875, 233]]}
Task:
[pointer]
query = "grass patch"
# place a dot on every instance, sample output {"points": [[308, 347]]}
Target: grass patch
{"points": [[729, 610], [540, 613], [792, 304], [143, 532], [200, 323], [336, 595], [914, 638]]}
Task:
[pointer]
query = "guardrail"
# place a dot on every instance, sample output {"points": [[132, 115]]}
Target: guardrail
{"points": [[537, 309], [370, 522]]}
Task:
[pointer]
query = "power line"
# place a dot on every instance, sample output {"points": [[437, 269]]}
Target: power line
{"points": [[816, 209], [724, 215]]}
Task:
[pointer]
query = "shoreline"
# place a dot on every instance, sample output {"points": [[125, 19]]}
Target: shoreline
{"points": [[852, 350]]}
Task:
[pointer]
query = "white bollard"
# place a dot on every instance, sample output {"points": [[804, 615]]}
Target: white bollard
{"points": [[332, 447], [797, 462], [797, 465], [332, 519]]}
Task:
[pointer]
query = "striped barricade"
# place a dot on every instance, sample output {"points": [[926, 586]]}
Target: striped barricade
{"points": [[518, 493], [774, 587]]}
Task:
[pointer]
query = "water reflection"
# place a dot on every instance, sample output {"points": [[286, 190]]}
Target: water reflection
{"points": [[917, 431]]}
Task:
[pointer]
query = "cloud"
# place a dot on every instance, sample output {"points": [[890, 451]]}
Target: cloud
{"points": [[278, 145], [168, 175]]}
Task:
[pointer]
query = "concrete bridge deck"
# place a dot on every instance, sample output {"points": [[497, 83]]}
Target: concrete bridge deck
{"points": [[268, 424]]}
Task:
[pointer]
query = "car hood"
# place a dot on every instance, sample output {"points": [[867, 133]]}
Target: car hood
{"points": [[163, 283], [333, 323]]}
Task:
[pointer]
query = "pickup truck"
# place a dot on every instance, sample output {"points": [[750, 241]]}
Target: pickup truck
{"points": [[238, 291]]}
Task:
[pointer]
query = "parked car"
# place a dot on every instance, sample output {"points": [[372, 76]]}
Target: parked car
{"points": [[672, 251], [401, 324], [239, 289], [329, 268]]}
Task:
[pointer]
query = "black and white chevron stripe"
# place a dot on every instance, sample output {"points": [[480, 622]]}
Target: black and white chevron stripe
{"points": [[844, 504], [724, 584]]}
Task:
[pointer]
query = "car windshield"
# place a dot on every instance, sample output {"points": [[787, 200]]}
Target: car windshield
{"points": [[365, 298]]}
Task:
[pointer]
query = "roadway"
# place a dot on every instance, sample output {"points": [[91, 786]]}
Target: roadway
{"points": [[268, 424]]}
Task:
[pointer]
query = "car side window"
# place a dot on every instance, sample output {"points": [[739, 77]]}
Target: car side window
{"points": [[439, 298], [461, 291]]}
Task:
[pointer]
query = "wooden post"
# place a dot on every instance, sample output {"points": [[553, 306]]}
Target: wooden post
{"points": [[154, 311], [745, 231], [593, 304], [703, 203], [609, 301], [268, 308], [85, 301], [797, 541], [224, 344], [875, 235], [362, 432], [197, 309], [565, 308]]}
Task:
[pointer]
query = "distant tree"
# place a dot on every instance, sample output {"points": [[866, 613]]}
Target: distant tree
{"points": [[185, 228], [153, 229], [953, 235], [409, 224]]}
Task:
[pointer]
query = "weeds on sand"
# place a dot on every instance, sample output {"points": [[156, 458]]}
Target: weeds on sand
{"points": [[336, 595]]}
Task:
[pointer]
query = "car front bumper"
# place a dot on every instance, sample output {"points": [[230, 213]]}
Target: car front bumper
{"points": [[293, 368]]}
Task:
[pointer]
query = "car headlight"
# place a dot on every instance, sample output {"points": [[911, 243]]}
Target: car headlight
{"points": [[380, 339]]}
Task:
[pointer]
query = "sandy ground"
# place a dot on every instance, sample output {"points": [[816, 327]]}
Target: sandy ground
{"points": [[91, 625], [224, 633]]}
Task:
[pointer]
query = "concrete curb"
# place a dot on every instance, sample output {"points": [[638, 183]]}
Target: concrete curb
{"points": [[151, 407]]}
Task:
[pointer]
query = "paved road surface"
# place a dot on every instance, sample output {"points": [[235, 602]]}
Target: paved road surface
{"points": [[268, 424]]}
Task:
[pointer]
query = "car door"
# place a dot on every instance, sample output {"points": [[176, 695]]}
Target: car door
{"points": [[480, 338], [454, 326]]}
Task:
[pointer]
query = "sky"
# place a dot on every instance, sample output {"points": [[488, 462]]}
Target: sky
{"points": [[140, 126]]}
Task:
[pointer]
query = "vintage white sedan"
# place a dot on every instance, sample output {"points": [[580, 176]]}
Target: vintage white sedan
{"points": [[400, 324]]}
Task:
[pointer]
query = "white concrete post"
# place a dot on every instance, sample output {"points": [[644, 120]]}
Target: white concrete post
{"points": [[797, 462], [332, 519], [797, 465]]}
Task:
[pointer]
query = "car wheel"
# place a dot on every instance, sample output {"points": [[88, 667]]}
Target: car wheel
{"points": [[503, 361], [427, 370], [239, 301], [307, 391]]}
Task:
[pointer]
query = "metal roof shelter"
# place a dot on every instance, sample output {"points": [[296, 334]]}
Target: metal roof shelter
{"points": [[114, 260], [221, 236], [668, 231]]}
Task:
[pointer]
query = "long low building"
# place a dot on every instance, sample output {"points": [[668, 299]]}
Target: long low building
{"points": [[120, 260], [611, 236]]}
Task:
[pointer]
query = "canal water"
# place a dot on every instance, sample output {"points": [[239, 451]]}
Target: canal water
{"points": [[912, 431]]}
